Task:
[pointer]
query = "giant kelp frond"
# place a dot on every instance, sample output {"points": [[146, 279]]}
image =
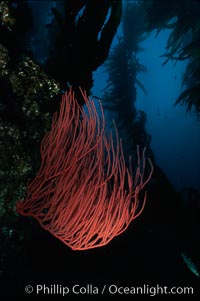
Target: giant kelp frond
{"points": [[191, 98], [123, 68], [126, 70], [191, 49], [177, 40], [158, 14], [133, 17], [182, 31], [192, 73], [182, 18]]}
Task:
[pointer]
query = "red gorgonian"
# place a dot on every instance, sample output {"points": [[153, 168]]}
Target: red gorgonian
{"points": [[84, 193]]}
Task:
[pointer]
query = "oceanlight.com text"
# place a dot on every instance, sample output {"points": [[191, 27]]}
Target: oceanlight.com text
{"points": [[111, 289]]}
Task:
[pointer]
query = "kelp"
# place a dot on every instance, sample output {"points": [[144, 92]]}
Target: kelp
{"points": [[185, 30], [157, 14], [123, 68], [82, 40], [133, 25], [191, 98], [182, 18]]}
